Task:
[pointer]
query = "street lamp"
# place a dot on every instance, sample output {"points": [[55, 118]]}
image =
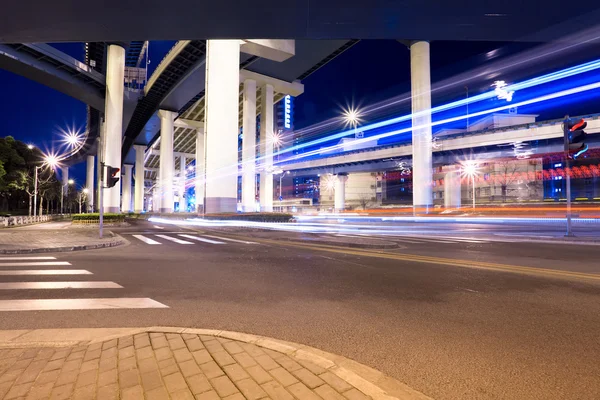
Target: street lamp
{"points": [[280, 183], [352, 117], [62, 194], [469, 169]]}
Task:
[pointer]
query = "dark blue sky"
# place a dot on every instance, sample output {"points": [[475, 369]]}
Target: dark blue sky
{"points": [[369, 71]]}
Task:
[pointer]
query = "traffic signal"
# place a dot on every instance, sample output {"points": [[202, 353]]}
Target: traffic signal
{"points": [[574, 130], [112, 176]]}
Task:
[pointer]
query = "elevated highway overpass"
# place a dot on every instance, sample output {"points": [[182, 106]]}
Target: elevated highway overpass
{"points": [[540, 138]]}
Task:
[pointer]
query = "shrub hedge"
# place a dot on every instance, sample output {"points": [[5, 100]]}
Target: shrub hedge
{"points": [[108, 217]]}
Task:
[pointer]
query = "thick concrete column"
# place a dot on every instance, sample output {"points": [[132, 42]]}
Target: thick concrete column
{"points": [[421, 122], [266, 148], [182, 175], [249, 147], [140, 151], [126, 197], [200, 163], [221, 124], [113, 113], [89, 182], [452, 189], [340, 192], [167, 164]]}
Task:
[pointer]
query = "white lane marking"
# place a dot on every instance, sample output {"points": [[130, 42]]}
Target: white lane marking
{"points": [[60, 285], [26, 258], [78, 304], [159, 227], [145, 239], [202, 239], [411, 241], [172, 239], [230, 240], [34, 264], [47, 272]]}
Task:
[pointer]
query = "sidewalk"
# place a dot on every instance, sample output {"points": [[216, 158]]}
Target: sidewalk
{"points": [[54, 237], [175, 363]]}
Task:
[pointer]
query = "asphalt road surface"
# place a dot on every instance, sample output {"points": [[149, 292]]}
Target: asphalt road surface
{"points": [[454, 318]]}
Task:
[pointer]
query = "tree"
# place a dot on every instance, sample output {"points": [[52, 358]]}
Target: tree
{"points": [[364, 199], [506, 174]]}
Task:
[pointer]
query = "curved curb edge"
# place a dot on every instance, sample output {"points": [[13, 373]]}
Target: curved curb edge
{"points": [[368, 380], [115, 243]]}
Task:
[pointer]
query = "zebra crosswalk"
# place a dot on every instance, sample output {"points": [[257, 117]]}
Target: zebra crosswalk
{"points": [[186, 239], [53, 275]]}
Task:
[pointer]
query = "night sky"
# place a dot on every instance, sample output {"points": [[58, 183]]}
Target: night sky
{"points": [[369, 71]]}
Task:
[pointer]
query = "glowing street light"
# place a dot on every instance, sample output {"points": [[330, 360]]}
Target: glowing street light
{"points": [[51, 160], [470, 169], [70, 181], [328, 182], [30, 146], [352, 117], [72, 138]]}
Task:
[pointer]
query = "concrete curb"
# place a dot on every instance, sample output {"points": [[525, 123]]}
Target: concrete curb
{"points": [[368, 380], [119, 242]]}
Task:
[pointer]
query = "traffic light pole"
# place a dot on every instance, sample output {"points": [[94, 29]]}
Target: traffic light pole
{"points": [[567, 175], [101, 201]]}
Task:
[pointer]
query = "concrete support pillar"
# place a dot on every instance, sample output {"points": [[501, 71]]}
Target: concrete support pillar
{"points": [[126, 197], [113, 112], [452, 189], [421, 122], [266, 148], [249, 147], [221, 124], [200, 168], [89, 183], [138, 205], [167, 165], [340, 192], [182, 175]]}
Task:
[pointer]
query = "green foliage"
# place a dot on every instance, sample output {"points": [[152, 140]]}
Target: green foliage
{"points": [[17, 167], [256, 217], [108, 217]]}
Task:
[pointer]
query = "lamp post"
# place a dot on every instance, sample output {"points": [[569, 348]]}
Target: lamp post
{"points": [[62, 194], [352, 117], [35, 185], [470, 170], [281, 182]]}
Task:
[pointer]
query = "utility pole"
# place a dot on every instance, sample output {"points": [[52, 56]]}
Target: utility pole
{"points": [[35, 183], [567, 175], [100, 152]]}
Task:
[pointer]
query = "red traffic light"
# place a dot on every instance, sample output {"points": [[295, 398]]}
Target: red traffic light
{"points": [[112, 176]]}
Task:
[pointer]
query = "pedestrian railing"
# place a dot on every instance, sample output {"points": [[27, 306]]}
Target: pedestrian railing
{"points": [[25, 220]]}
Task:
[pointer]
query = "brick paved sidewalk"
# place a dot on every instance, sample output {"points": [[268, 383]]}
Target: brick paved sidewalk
{"points": [[21, 240], [157, 366]]}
